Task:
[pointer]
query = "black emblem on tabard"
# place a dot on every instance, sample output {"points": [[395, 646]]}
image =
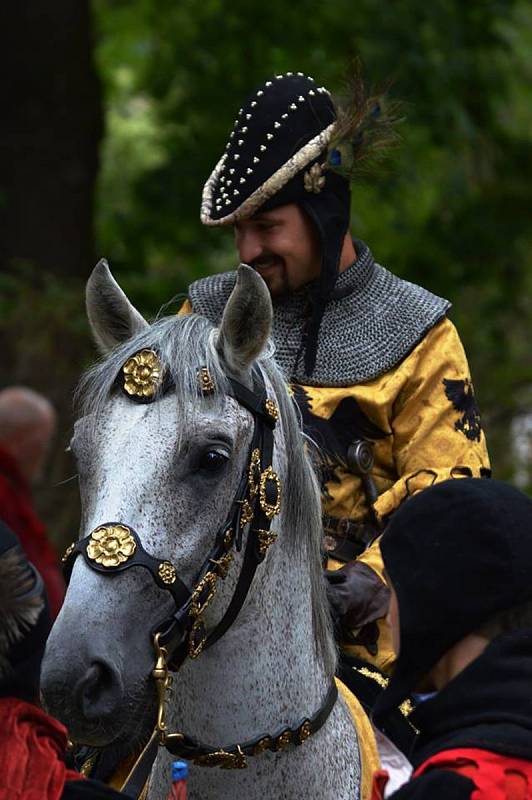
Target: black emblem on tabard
{"points": [[461, 395], [334, 435]]}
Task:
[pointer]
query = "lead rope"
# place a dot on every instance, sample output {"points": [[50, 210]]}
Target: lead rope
{"points": [[136, 784]]}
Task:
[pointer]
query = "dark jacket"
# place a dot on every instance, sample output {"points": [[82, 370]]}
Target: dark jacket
{"points": [[477, 731]]}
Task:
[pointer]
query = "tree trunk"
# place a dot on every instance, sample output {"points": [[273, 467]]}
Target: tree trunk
{"points": [[49, 136]]}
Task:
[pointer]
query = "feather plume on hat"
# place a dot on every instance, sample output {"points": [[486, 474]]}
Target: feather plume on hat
{"points": [[365, 131], [20, 606]]}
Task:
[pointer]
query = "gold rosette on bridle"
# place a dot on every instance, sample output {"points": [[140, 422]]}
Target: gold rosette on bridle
{"points": [[143, 374], [111, 545]]}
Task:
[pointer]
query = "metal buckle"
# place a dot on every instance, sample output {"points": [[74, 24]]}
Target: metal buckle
{"points": [[197, 603], [223, 759], [66, 555], [197, 638], [247, 513], [254, 473], [221, 565], [163, 682]]}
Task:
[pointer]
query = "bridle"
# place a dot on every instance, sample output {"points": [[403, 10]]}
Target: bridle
{"points": [[115, 547]]}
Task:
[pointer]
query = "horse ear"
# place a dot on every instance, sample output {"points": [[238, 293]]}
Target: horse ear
{"points": [[113, 319], [246, 321]]}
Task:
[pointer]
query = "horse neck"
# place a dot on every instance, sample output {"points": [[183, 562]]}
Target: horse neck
{"points": [[264, 673]]}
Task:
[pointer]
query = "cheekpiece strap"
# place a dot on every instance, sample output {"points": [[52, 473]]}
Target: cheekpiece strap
{"points": [[255, 400], [257, 501], [234, 757]]}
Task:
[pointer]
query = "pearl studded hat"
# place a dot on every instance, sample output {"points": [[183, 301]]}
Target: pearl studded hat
{"points": [[277, 154], [282, 127]]}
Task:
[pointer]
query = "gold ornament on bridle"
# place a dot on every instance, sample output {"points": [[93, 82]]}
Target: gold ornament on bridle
{"points": [[270, 480], [67, 552], [167, 573], [111, 545], [143, 374], [206, 383]]}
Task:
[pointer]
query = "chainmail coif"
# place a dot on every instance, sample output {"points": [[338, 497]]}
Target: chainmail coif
{"points": [[371, 322]]}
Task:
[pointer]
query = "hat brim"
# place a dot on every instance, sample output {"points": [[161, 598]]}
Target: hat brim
{"points": [[269, 188]]}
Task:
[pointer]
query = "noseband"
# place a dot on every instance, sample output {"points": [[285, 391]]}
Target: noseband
{"points": [[114, 547]]}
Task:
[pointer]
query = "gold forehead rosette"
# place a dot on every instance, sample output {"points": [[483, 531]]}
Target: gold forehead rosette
{"points": [[111, 545], [143, 374]]}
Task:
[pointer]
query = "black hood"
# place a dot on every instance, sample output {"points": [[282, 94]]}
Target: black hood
{"points": [[456, 554]]}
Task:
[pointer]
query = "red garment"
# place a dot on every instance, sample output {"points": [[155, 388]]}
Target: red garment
{"points": [[380, 780], [496, 777], [16, 510], [32, 748]]}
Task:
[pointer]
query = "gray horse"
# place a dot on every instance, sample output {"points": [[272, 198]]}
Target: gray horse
{"points": [[170, 470]]}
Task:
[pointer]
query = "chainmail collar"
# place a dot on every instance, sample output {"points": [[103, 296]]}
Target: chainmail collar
{"points": [[371, 322]]}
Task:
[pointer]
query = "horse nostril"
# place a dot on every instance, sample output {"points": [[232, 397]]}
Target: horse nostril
{"points": [[99, 691]]}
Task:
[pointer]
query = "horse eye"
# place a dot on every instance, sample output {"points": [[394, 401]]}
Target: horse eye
{"points": [[212, 461]]}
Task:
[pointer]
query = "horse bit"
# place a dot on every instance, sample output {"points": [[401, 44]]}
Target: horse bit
{"points": [[115, 547]]}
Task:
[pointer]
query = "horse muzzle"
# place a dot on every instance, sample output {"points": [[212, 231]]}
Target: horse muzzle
{"points": [[87, 696]]}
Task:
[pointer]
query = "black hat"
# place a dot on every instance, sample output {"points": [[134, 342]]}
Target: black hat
{"points": [[25, 620], [283, 126], [456, 554], [277, 154]]}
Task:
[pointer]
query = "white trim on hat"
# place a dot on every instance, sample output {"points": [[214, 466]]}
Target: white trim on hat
{"points": [[269, 188]]}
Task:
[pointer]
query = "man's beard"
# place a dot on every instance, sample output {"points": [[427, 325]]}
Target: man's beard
{"points": [[272, 270]]}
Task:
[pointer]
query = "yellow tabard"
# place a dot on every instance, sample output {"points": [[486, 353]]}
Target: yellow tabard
{"points": [[430, 431]]}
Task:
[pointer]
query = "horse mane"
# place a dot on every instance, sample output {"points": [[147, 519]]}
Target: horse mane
{"points": [[186, 343]]}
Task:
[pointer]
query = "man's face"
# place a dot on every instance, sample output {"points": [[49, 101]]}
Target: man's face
{"points": [[282, 246]]}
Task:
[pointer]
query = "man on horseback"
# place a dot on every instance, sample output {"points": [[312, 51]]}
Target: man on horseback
{"points": [[375, 366]]}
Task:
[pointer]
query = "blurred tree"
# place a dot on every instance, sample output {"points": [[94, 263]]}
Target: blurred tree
{"points": [[49, 139], [51, 125]]}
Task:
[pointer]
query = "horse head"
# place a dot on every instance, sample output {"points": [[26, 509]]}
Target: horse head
{"points": [[172, 490]]}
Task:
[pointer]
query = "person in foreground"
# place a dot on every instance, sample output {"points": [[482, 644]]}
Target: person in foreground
{"points": [[32, 744], [461, 620], [376, 367]]}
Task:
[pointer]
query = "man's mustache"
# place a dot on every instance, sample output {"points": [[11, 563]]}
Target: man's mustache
{"points": [[264, 261]]}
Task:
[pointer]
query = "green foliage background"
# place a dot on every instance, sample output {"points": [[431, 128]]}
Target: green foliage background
{"points": [[450, 212]]}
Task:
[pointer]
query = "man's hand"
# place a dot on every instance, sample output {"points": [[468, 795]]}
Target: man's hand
{"points": [[356, 595]]}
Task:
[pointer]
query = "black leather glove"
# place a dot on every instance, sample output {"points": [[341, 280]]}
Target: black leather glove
{"points": [[357, 596]]}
